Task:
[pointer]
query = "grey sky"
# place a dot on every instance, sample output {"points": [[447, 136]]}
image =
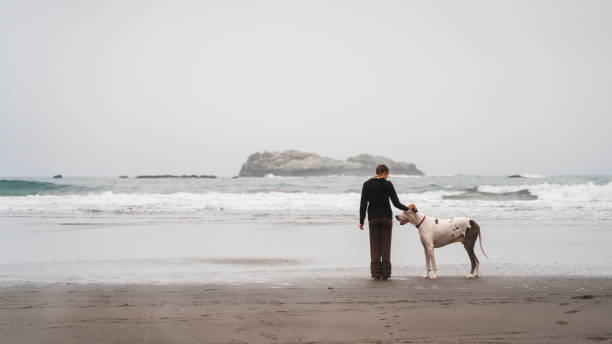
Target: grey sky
{"points": [[135, 87]]}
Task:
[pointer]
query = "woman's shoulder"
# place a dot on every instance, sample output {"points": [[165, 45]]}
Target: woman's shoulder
{"points": [[370, 182]]}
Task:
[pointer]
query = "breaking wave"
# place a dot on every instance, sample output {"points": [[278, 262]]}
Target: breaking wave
{"points": [[556, 192], [549, 192], [539, 176], [475, 194], [308, 199], [30, 187]]}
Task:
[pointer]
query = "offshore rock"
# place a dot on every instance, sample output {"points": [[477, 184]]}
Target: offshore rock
{"points": [[296, 163]]}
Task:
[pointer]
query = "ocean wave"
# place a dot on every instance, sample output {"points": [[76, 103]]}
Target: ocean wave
{"points": [[556, 192], [20, 187], [299, 199], [294, 200], [292, 207], [537, 176], [475, 194], [184, 202]]}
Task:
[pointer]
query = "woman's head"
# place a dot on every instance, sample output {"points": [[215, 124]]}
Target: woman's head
{"points": [[382, 171]]}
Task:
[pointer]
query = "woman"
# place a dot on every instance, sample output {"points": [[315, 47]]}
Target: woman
{"points": [[375, 197]]}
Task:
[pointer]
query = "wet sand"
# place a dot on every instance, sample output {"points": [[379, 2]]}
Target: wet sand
{"points": [[355, 310]]}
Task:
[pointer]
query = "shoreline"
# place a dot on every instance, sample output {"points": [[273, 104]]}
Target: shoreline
{"points": [[454, 310]]}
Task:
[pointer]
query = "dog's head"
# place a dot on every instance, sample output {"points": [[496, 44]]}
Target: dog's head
{"points": [[408, 215]]}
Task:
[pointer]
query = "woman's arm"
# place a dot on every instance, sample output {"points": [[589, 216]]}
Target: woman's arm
{"points": [[395, 200], [364, 205]]}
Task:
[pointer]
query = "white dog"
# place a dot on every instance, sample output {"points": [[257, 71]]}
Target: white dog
{"points": [[436, 233]]}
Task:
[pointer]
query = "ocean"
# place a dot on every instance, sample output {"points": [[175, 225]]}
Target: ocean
{"points": [[296, 199], [99, 230]]}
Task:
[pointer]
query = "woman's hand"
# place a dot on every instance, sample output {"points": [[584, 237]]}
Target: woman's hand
{"points": [[361, 226]]}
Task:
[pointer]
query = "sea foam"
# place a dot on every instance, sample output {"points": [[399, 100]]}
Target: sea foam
{"points": [[558, 192]]}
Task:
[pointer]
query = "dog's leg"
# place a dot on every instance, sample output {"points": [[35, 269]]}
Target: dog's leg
{"points": [[476, 259], [427, 265], [469, 242], [470, 250], [477, 236], [432, 257]]}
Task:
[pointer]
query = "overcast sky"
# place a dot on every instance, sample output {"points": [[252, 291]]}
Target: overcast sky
{"points": [[142, 87]]}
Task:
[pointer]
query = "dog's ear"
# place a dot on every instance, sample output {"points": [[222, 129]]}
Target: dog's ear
{"points": [[412, 207]]}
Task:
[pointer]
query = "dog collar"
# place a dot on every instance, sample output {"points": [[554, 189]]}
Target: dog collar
{"points": [[421, 222]]}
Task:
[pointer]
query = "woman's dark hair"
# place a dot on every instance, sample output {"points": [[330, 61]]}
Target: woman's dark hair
{"points": [[381, 169]]}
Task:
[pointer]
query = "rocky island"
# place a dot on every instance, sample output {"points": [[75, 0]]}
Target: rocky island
{"points": [[296, 163]]}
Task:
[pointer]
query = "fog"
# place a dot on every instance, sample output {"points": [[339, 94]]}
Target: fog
{"points": [[103, 88]]}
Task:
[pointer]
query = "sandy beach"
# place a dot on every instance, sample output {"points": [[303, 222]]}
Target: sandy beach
{"points": [[406, 310]]}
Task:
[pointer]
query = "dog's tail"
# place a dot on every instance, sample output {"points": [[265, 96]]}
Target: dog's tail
{"points": [[475, 225], [480, 242]]}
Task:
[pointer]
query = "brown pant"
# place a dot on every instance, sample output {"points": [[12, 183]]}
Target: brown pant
{"points": [[380, 246]]}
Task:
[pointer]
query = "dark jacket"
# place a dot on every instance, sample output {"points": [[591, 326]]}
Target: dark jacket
{"points": [[375, 197]]}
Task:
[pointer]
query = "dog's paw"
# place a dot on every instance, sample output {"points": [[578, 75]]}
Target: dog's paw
{"points": [[469, 276], [433, 277]]}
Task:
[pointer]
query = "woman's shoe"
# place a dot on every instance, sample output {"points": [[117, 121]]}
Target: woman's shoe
{"points": [[386, 270], [376, 270]]}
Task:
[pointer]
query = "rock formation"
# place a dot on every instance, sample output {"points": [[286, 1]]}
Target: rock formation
{"points": [[295, 163]]}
